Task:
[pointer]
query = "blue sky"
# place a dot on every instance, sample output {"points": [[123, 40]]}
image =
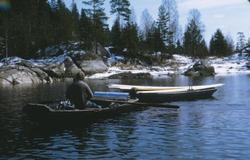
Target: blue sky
{"points": [[231, 16]]}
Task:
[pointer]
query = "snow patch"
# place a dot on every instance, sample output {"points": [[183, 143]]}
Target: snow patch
{"points": [[235, 64], [47, 61], [35, 62], [11, 60]]}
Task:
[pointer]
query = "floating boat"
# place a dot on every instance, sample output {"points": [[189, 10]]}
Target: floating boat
{"points": [[153, 88], [161, 96], [51, 114]]}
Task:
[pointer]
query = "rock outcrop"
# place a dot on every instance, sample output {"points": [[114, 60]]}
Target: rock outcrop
{"points": [[72, 48], [70, 68], [62, 61], [200, 69], [55, 70], [92, 66], [23, 75], [26, 72]]}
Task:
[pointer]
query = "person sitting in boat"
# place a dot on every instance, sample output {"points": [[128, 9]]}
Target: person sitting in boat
{"points": [[79, 93]]}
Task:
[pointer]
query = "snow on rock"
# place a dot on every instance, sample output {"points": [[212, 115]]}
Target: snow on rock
{"points": [[34, 62], [115, 59], [177, 65], [156, 72], [234, 64], [40, 70], [200, 68], [63, 48], [49, 61], [11, 60]]}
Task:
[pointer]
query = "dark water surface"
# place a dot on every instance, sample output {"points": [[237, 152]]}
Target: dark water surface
{"points": [[217, 128]]}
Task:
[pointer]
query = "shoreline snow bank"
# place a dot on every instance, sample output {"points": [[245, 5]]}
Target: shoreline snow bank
{"points": [[235, 64], [232, 65]]}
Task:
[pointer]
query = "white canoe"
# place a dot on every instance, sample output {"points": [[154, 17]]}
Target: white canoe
{"points": [[163, 88]]}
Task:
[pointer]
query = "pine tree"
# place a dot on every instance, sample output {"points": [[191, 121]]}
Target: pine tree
{"points": [[147, 33], [3, 32], [116, 33], [248, 42], [163, 22], [75, 20], [42, 31], [28, 27], [230, 43], [194, 43], [63, 25], [155, 42], [2, 42], [158, 42], [173, 24], [85, 30], [130, 39], [53, 4], [179, 48], [147, 24], [219, 45], [121, 8], [241, 42], [248, 47], [95, 11], [168, 24], [33, 25]]}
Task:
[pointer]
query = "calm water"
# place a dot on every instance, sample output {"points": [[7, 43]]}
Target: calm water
{"points": [[217, 128]]}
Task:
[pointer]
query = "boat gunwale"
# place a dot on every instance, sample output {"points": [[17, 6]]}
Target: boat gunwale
{"points": [[51, 110], [158, 88], [177, 91]]}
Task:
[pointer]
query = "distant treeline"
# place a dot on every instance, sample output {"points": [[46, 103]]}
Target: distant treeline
{"points": [[30, 25]]}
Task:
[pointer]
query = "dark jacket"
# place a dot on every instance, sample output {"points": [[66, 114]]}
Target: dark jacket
{"points": [[79, 94]]}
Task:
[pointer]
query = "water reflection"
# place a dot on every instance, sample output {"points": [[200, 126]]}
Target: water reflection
{"points": [[214, 128]]}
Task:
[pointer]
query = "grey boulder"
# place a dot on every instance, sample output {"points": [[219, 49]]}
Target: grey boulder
{"points": [[93, 66], [200, 69]]}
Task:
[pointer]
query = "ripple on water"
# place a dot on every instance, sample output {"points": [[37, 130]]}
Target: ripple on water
{"points": [[216, 128]]}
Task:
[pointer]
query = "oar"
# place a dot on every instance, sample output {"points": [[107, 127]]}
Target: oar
{"points": [[160, 105]]}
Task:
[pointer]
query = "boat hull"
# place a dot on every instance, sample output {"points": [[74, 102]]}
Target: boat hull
{"points": [[44, 114], [188, 95], [128, 88]]}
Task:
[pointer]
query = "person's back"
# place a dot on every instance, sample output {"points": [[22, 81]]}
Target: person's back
{"points": [[79, 92]]}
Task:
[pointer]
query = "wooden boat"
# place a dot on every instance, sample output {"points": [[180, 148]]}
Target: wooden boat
{"points": [[161, 96], [50, 114], [153, 88]]}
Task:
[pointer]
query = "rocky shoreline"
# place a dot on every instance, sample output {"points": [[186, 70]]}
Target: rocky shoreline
{"points": [[182, 65], [15, 71], [29, 72]]}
